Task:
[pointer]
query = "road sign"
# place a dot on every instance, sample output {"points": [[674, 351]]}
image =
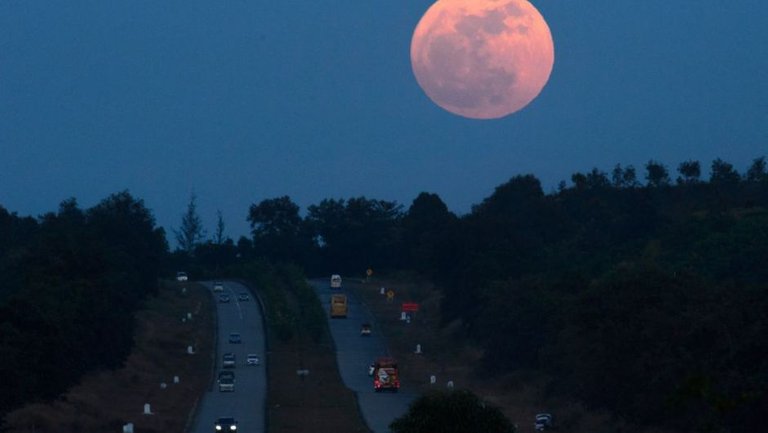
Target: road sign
{"points": [[410, 307], [390, 295], [369, 272]]}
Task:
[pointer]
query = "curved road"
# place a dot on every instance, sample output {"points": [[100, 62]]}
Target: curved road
{"points": [[355, 353], [246, 403]]}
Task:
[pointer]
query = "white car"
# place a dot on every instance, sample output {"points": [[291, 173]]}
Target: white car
{"points": [[181, 276], [252, 359], [218, 286]]}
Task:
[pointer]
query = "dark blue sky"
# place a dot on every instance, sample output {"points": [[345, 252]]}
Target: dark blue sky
{"points": [[241, 100]]}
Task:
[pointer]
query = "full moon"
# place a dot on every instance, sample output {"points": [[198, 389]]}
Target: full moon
{"points": [[482, 59]]}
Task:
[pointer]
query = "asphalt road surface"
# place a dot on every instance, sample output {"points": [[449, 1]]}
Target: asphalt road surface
{"points": [[246, 403], [355, 353]]}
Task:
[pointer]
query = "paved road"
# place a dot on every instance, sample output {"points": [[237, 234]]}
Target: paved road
{"points": [[355, 353], [246, 403]]}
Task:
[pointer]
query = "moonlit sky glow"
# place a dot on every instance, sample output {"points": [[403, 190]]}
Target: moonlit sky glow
{"points": [[240, 101]]}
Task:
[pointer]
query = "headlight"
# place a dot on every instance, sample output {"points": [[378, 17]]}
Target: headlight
{"points": [[233, 427], [218, 427]]}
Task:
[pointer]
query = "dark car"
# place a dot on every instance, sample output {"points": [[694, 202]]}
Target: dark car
{"points": [[544, 421], [225, 424], [234, 338], [243, 297], [223, 298], [226, 374], [365, 330], [228, 360]]}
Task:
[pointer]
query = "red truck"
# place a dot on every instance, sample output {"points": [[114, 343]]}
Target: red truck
{"points": [[385, 375]]}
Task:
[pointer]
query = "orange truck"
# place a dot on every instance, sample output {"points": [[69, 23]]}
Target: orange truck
{"points": [[385, 375], [338, 306]]}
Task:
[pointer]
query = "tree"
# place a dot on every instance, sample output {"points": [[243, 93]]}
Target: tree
{"points": [[624, 177], [756, 172], [452, 412], [277, 229], [690, 172], [657, 174], [723, 174], [219, 237], [192, 232], [425, 228], [356, 233]]}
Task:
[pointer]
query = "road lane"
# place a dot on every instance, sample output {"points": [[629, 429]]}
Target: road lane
{"points": [[355, 353], [246, 403]]}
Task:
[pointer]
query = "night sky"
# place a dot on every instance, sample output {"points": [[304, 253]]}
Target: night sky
{"points": [[239, 101]]}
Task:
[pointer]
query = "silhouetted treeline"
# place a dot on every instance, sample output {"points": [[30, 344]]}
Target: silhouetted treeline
{"points": [[71, 282], [648, 296]]}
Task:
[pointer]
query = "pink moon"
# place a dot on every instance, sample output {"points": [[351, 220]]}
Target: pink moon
{"points": [[482, 59]]}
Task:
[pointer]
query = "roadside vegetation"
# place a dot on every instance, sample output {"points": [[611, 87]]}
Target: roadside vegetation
{"points": [[72, 283], [305, 389], [105, 400]]}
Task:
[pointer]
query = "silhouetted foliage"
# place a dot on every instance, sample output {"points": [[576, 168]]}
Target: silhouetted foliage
{"points": [[75, 279], [690, 172], [452, 412], [657, 174], [191, 232]]}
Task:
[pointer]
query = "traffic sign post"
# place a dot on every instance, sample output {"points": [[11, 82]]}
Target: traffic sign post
{"points": [[390, 296]]}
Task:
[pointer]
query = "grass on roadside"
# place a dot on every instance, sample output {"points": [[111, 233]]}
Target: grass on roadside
{"points": [[106, 400], [299, 339]]}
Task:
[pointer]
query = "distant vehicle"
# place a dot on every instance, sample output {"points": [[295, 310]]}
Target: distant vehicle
{"points": [[235, 338], [335, 281], [225, 424], [218, 286], [226, 374], [181, 276], [386, 375], [226, 384], [252, 359], [223, 298], [243, 297], [544, 421], [365, 330], [228, 360], [338, 306]]}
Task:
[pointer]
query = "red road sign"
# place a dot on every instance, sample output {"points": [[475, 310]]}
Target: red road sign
{"points": [[410, 307]]}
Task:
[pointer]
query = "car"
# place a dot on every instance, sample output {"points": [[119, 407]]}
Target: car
{"points": [[544, 421], [243, 297], [252, 359], [223, 299], [228, 360], [181, 276], [235, 338], [225, 424], [218, 286], [365, 330], [227, 384], [226, 374]]}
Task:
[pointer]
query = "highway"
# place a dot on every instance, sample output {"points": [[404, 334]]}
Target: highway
{"points": [[246, 403], [355, 353]]}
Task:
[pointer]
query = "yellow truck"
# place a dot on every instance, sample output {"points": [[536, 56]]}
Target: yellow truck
{"points": [[338, 306]]}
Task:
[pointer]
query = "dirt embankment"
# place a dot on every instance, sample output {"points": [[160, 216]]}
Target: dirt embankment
{"points": [[104, 401]]}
